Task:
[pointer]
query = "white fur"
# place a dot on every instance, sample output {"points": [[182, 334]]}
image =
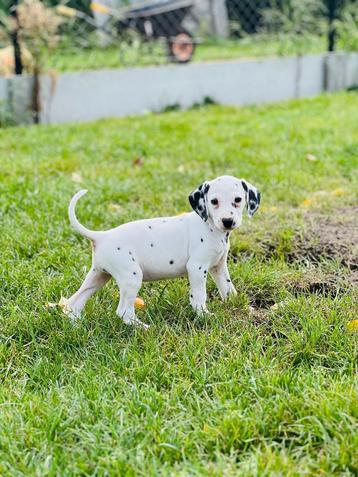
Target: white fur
{"points": [[165, 247]]}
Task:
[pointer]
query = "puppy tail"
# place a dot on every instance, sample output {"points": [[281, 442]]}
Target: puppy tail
{"points": [[73, 219]]}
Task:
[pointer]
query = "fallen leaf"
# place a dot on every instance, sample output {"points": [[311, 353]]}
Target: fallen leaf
{"points": [[63, 303], [311, 157], [352, 325], [76, 177], [114, 207], [138, 162], [307, 203], [337, 192], [139, 303]]}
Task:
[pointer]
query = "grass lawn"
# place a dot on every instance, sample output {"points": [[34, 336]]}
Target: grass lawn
{"points": [[238, 393], [77, 59]]}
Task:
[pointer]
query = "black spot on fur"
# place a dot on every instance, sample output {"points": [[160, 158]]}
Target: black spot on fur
{"points": [[244, 185], [130, 253], [152, 245], [207, 187], [149, 226], [228, 280], [200, 267], [252, 199], [205, 272], [134, 273], [191, 296], [118, 248], [171, 262], [133, 260], [201, 240]]}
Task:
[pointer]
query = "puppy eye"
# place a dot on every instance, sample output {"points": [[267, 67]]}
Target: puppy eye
{"points": [[214, 201], [238, 200]]}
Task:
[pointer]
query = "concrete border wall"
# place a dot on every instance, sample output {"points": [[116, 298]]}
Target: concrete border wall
{"points": [[91, 95]]}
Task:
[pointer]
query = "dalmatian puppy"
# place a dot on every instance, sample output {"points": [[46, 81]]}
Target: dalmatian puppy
{"points": [[193, 245]]}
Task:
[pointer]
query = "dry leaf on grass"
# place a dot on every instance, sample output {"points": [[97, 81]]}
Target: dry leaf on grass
{"points": [[138, 162], [76, 177], [338, 192], [311, 157], [352, 326], [307, 203], [114, 207], [139, 303]]}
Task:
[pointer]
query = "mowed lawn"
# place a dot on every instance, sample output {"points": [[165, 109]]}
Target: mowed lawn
{"points": [[235, 393]]}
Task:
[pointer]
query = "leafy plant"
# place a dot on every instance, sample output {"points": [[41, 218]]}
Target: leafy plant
{"points": [[347, 27], [294, 22]]}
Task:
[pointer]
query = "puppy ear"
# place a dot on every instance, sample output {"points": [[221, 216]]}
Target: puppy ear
{"points": [[253, 198], [197, 200]]}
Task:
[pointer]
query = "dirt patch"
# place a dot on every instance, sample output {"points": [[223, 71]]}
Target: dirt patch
{"points": [[333, 237]]}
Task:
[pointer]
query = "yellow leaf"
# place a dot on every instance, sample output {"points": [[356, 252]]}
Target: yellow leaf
{"points": [[63, 303], [307, 203], [76, 177], [97, 7], [66, 11], [338, 192], [114, 207], [139, 303], [311, 157], [352, 325]]}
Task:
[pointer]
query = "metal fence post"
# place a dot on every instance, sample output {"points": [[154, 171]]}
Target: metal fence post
{"points": [[15, 39], [332, 6]]}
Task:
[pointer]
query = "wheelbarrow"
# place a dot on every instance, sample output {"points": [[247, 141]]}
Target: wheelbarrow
{"points": [[156, 20]]}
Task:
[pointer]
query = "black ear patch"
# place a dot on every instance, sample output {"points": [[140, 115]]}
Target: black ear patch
{"points": [[197, 200], [253, 197]]}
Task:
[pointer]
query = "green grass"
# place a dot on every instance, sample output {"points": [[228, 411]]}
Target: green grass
{"points": [[70, 58], [224, 395]]}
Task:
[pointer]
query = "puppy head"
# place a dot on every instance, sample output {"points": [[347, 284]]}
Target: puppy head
{"points": [[223, 200]]}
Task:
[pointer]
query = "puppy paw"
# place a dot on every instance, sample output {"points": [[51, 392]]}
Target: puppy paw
{"points": [[136, 322]]}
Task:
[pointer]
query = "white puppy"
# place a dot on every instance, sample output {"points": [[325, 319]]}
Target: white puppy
{"points": [[193, 244]]}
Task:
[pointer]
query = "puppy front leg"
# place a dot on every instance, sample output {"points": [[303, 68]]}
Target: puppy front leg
{"points": [[221, 277], [197, 275]]}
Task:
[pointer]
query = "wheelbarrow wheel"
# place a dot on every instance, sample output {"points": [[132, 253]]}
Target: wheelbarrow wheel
{"points": [[181, 48]]}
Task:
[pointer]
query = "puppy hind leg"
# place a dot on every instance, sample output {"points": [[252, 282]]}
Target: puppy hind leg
{"points": [[93, 282]]}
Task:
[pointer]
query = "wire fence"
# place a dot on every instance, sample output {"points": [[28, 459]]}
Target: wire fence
{"points": [[113, 33]]}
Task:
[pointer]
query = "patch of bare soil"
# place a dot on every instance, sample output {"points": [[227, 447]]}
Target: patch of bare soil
{"points": [[333, 237]]}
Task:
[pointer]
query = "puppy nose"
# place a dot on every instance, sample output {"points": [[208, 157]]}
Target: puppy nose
{"points": [[228, 223]]}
